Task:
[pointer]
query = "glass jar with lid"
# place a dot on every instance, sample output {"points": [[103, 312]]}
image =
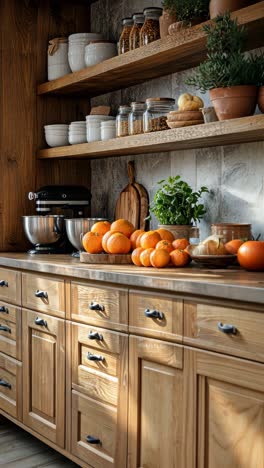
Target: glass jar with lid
{"points": [[150, 30], [122, 121], [135, 121], [155, 117], [124, 38], [134, 39]]}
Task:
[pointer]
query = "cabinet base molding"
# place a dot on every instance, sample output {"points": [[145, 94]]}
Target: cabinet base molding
{"points": [[63, 452]]}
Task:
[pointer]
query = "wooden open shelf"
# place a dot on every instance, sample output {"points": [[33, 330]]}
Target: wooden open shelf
{"points": [[184, 50], [227, 132]]}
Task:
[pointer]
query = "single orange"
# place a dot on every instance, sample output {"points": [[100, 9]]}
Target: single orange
{"points": [[145, 257], [180, 258], [134, 236], [233, 246], [124, 226], [164, 245], [105, 239], [92, 242], [150, 239], [101, 227], [136, 256], [138, 241], [160, 258], [165, 234], [180, 244], [118, 244]]}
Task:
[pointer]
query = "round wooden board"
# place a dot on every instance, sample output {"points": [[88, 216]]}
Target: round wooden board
{"points": [[105, 259]]}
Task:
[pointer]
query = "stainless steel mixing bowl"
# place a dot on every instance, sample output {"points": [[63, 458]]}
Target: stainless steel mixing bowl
{"points": [[43, 230], [77, 227]]}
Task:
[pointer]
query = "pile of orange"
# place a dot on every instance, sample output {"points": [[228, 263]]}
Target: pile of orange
{"points": [[157, 248]]}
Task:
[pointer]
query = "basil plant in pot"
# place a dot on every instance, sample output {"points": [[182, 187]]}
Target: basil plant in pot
{"points": [[177, 206], [189, 13], [168, 17], [231, 77]]}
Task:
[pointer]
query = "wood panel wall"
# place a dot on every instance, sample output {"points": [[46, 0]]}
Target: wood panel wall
{"points": [[25, 28]]}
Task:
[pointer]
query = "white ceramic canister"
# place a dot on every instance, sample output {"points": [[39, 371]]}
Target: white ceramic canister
{"points": [[76, 138], [77, 44], [98, 51], [108, 130], [93, 131], [58, 64]]}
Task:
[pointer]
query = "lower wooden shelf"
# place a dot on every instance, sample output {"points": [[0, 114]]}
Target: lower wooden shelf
{"points": [[228, 132]]}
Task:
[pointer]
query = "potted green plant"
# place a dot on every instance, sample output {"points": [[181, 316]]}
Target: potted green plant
{"points": [[230, 76], [220, 7], [189, 13], [177, 206], [168, 17]]}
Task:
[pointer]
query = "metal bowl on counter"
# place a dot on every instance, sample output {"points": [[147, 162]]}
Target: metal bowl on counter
{"points": [[77, 227], [43, 230]]}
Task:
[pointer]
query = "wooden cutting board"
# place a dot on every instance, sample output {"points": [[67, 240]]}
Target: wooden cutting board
{"points": [[105, 259], [133, 202]]}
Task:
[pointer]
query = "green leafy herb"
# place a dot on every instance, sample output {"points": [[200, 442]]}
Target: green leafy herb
{"points": [[176, 203]]}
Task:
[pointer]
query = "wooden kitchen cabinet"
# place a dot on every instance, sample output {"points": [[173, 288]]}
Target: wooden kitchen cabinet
{"points": [[44, 375], [155, 404], [224, 411]]}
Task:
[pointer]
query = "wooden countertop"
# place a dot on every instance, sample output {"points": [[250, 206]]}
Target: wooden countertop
{"points": [[232, 283]]}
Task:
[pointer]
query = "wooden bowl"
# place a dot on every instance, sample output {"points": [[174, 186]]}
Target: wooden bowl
{"points": [[214, 261]]}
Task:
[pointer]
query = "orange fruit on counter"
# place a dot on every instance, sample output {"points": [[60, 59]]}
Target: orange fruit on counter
{"points": [[165, 234], [180, 244], [138, 241], [150, 239], [124, 226], [180, 258], [251, 255], [92, 242], [118, 243], [101, 227], [165, 245], [145, 257], [105, 239], [134, 236], [233, 246], [160, 258], [136, 256]]}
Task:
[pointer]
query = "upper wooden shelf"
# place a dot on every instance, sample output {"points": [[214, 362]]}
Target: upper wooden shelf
{"points": [[227, 132], [172, 54]]}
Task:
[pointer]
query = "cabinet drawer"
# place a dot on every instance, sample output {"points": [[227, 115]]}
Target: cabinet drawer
{"points": [[10, 286], [97, 363], [10, 330], [95, 422], [44, 294], [104, 307], [11, 386], [144, 306], [203, 323]]}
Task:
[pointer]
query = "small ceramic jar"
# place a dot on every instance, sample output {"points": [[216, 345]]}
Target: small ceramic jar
{"points": [[98, 51], [77, 44], [108, 130], [58, 64]]}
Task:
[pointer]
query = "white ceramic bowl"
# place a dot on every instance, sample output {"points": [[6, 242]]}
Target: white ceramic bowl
{"points": [[97, 52], [53, 126], [54, 140], [77, 138], [98, 118], [85, 36], [76, 51]]}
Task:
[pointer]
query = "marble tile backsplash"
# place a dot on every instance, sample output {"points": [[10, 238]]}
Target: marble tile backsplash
{"points": [[233, 174]]}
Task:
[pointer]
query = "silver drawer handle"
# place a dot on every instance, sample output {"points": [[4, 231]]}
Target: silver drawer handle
{"points": [[41, 294], [227, 329], [3, 283]]}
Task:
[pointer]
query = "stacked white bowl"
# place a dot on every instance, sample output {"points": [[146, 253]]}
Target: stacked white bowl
{"points": [[108, 130], [77, 44], [56, 135], [77, 132], [98, 51], [93, 126]]}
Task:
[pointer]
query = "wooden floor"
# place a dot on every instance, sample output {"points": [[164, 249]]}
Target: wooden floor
{"points": [[18, 449]]}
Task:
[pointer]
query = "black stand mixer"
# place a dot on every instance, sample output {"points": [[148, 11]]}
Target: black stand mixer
{"points": [[46, 230]]}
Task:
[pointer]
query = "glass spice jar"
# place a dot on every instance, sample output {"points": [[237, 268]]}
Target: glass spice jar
{"points": [[135, 120], [150, 30], [123, 45], [134, 38], [155, 117], [122, 121]]}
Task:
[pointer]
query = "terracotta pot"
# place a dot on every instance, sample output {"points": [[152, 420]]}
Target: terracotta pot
{"points": [[234, 102], [179, 25], [179, 231], [261, 99], [230, 231], [219, 7], [165, 21]]}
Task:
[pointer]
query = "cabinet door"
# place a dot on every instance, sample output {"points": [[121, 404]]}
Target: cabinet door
{"points": [[44, 375], [227, 395], [155, 403]]}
